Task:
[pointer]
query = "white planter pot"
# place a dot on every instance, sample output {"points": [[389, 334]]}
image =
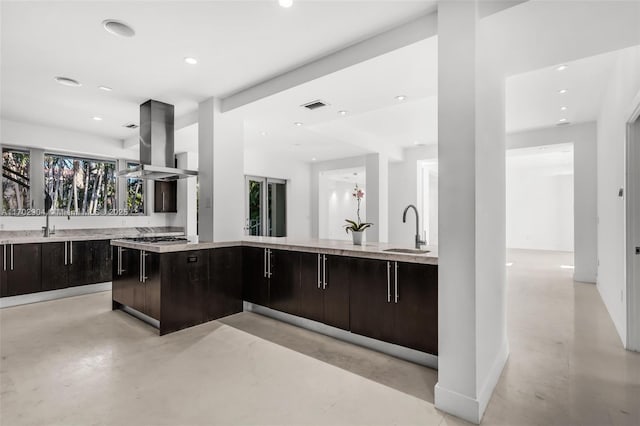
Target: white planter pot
{"points": [[357, 237]]}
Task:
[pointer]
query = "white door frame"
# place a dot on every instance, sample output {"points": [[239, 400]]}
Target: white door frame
{"points": [[632, 230]]}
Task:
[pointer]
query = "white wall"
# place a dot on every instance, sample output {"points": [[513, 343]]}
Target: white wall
{"points": [[13, 133], [297, 175], [624, 85], [583, 136], [338, 205], [539, 200], [403, 190]]}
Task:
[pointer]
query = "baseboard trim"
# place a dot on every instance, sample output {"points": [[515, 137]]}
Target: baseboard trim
{"points": [[139, 315], [412, 355], [465, 407], [43, 296]]}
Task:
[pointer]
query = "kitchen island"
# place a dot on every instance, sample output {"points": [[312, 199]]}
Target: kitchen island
{"points": [[334, 287]]}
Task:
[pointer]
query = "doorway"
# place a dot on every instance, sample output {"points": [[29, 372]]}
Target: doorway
{"points": [[336, 201], [265, 206], [633, 231]]}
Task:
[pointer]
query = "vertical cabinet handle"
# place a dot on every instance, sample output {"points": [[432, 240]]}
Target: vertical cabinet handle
{"points": [[71, 252], [140, 260], [4, 256], [319, 279], [144, 266], [269, 263], [396, 280], [265, 263], [388, 282], [12, 257], [119, 260], [66, 260], [162, 200], [324, 271]]}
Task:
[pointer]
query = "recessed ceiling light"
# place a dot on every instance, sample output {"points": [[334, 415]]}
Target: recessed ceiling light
{"points": [[263, 133], [562, 67], [563, 91], [563, 108], [191, 61], [342, 112], [285, 3], [97, 118], [105, 88], [401, 97], [296, 144], [66, 81], [118, 28], [562, 120], [297, 123], [313, 159]]}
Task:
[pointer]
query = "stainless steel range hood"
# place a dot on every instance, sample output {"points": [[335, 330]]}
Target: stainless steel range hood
{"points": [[157, 159]]}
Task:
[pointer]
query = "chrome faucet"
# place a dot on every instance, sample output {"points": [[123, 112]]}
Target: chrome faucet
{"points": [[46, 230], [419, 241]]}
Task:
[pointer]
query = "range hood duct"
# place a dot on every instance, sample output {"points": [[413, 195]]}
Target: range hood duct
{"points": [[157, 158]]}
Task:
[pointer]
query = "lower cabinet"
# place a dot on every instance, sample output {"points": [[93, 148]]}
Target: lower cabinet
{"points": [[284, 281], [89, 262], [396, 302], [21, 271], [55, 269], [255, 283], [224, 292]]}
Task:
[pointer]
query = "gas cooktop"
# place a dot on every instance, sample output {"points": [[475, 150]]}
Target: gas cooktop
{"points": [[158, 239]]}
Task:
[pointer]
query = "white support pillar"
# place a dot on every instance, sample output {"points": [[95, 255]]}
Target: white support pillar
{"points": [[377, 197], [471, 161], [188, 195], [220, 173]]}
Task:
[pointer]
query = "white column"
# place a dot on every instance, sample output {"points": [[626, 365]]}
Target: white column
{"points": [[220, 173], [36, 178], [471, 155], [187, 194], [377, 197]]}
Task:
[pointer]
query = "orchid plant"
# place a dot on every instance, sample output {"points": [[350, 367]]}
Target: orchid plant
{"points": [[352, 225]]}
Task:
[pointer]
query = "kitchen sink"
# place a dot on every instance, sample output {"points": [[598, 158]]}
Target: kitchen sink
{"points": [[406, 251]]}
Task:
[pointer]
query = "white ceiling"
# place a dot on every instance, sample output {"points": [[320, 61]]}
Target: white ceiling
{"points": [[241, 43], [237, 43]]}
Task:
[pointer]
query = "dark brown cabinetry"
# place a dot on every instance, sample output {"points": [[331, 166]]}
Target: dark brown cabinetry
{"points": [[55, 270], [255, 287], [21, 271], [165, 196], [136, 280], [224, 293], [311, 292], [74, 263], [284, 286], [396, 302]]}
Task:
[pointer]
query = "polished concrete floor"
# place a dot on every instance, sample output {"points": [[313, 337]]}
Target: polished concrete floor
{"points": [[75, 362]]}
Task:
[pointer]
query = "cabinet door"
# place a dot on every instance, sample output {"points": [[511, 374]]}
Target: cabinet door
{"points": [[284, 288], [311, 293], [127, 288], [101, 261], [4, 290], [416, 313], [371, 299], [336, 291], [54, 266], [224, 292], [80, 262], [255, 285], [24, 272], [165, 197], [151, 285], [185, 277]]}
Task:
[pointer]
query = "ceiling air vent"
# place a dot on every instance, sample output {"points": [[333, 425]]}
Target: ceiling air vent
{"points": [[130, 126], [315, 104]]}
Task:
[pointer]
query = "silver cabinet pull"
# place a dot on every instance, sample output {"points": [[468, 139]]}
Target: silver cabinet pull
{"points": [[162, 200], [144, 267], [4, 255], [12, 257], [388, 282], [119, 261], [140, 260], [65, 253], [265, 263], [70, 252], [324, 271], [269, 274], [319, 279], [396, 280]]}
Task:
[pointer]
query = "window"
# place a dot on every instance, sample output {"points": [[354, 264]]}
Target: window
{"points": [[135, 193], [265, 206], [80, 186], [15, 180]]}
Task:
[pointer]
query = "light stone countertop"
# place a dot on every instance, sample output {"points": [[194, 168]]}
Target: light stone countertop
{"points": [[61, 235], [334, 247]]}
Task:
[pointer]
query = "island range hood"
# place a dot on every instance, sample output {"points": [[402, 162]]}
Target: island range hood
{"points": [[157, 158]]}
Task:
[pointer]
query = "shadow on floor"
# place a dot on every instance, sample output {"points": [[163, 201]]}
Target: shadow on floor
{"points": [[404, 376]]}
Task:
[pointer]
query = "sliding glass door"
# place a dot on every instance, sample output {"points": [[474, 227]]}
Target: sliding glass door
{"points": [[265, 206]]}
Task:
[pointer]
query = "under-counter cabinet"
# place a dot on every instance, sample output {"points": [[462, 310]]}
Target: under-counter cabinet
{"points": [[21, 272], [396, 302], [75, 263], [224, 293], [136, 280], [324, 281]]}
